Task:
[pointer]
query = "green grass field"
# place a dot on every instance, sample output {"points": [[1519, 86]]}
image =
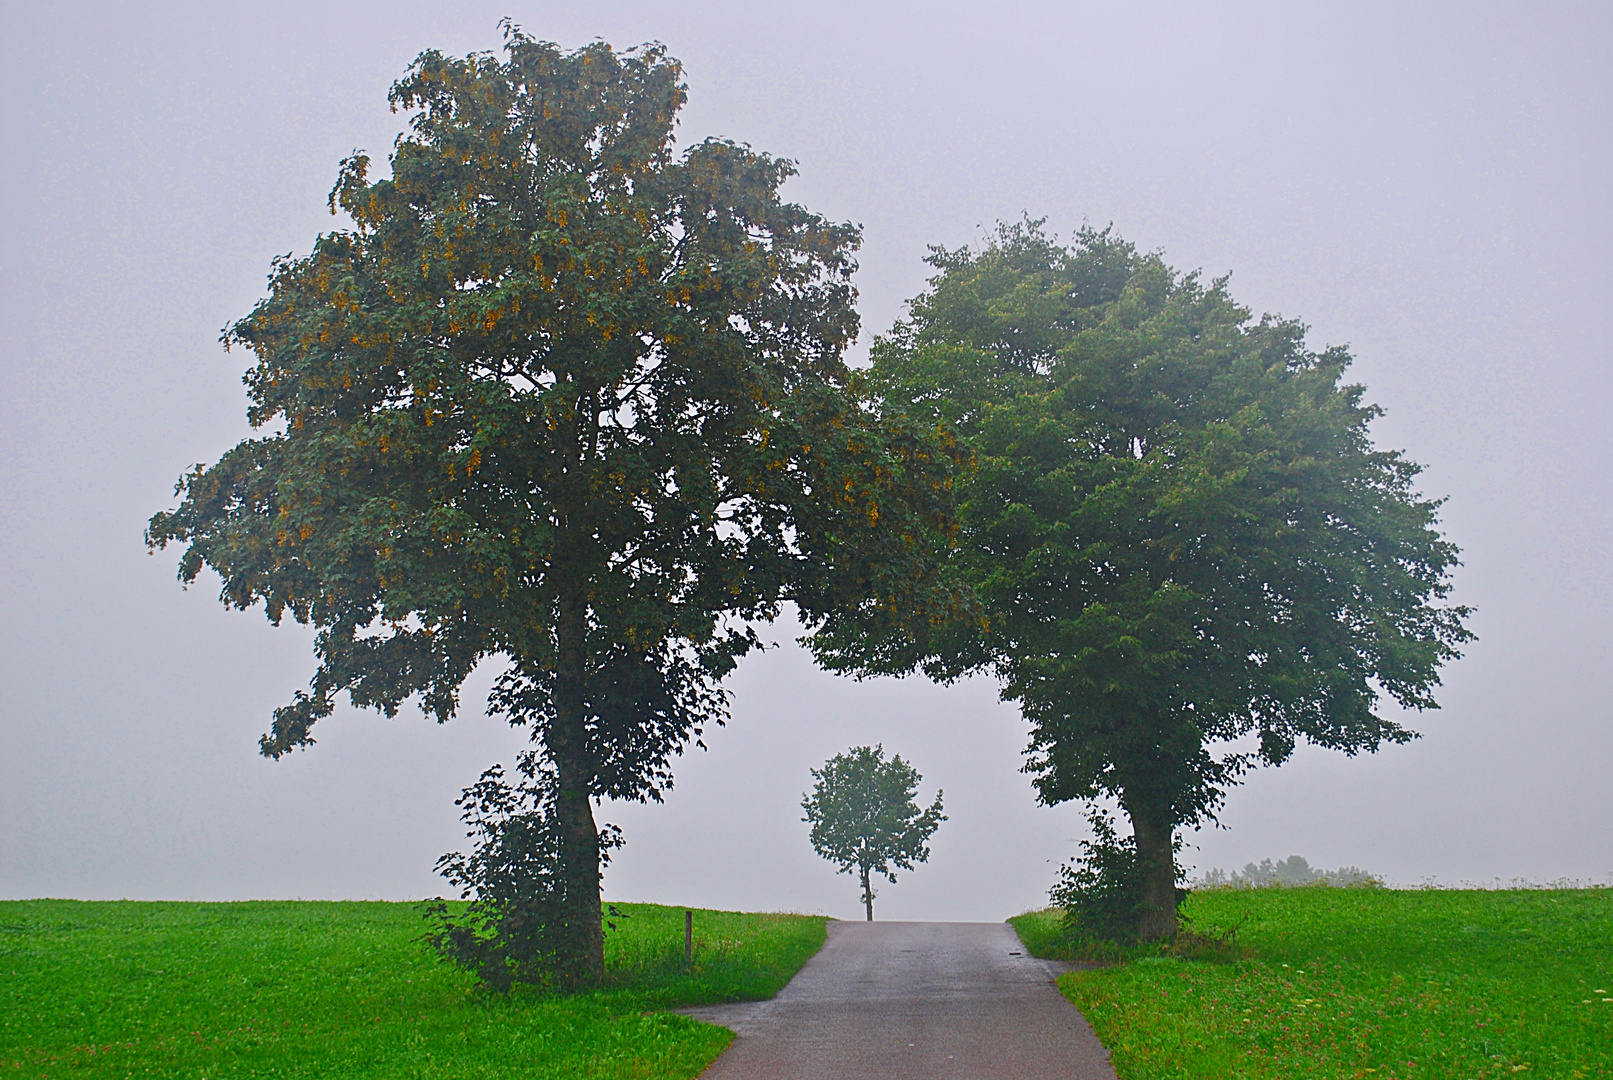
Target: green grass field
{"points": [[309, 989], [1366, 984]]}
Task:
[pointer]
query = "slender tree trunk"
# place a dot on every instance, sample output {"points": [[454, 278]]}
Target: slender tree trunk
{"points": [[580, 835], [1159, 864], [868, 894]]}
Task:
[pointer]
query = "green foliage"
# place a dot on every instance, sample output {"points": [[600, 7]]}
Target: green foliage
{"points": [[864, 818], [563, 398], [1104, 891], [1368, 983], [301, 989], [1182, 535], [518, 925]]}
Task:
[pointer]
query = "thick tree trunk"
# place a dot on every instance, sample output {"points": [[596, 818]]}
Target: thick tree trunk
{"points": [[868, 894], [580, 835], [1155, 848]]}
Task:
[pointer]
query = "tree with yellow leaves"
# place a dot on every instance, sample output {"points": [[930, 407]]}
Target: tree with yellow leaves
{"points": [[566, 399]]}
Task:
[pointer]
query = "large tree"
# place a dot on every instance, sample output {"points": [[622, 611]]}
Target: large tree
{"points": [[567, 399], [1191, 556]]}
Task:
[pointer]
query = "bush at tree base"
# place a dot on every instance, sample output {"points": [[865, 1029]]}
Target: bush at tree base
{"points": [[516, 926], [1103, 890]]}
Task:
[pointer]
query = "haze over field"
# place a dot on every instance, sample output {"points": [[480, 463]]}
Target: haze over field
{"points": [[1430, 187]]}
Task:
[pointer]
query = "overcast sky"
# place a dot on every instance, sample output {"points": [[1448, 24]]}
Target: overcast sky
{"points": [[1427, 183]]}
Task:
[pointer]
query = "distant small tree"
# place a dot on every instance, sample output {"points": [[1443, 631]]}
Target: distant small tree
{"points": [[864, 819]]}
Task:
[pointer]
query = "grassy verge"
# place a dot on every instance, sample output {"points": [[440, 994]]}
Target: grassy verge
{"points": [[304, 989], [1380, 984]]}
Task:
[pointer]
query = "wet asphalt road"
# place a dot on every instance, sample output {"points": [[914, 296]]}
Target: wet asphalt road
{"points": [[912, 1001]]}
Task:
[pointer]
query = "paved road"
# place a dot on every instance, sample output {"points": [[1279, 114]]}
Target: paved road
{"points": [[912, 1001]]}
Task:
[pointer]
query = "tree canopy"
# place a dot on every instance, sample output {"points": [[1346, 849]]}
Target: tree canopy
{"points": [[562, 396], [864, 818], [1189, 552]]}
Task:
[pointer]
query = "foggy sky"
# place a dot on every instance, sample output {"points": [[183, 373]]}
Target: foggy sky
{"points": [[1427, 183]]}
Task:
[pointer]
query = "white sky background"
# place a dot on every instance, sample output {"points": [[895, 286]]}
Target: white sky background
{"points": [[1430, 186]]}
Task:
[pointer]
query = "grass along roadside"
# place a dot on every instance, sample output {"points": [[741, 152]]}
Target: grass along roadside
{"points": [[1352, 983], [315, 989]]}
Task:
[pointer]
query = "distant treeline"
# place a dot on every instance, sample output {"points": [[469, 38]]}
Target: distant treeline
{"points": [[1294, 870]]}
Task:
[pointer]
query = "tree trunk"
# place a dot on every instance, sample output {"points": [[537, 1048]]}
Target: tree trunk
{"points": [[580, 835], [868, 894], [1155, 848]]}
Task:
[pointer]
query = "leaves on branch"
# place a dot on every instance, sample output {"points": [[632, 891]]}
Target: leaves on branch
{"points": [[1189, 553]]}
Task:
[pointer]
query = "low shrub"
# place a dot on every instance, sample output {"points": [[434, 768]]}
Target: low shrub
{"points": [[516, 927], [1102, 890]]}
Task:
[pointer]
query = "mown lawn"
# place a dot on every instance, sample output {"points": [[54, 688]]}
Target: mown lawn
{"points": [[308, 989], [1381, 984]]}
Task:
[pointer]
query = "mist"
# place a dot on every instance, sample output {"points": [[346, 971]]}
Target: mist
{"points": [[1429, 186]]}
